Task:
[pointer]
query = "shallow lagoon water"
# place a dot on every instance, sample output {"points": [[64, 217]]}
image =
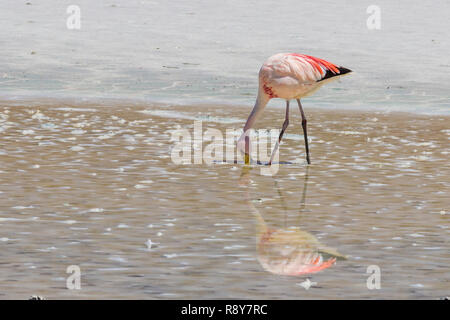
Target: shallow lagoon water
{"points": [[210, 51], [94, 185]]}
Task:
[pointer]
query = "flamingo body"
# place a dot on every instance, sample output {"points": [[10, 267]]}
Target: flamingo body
{"points": [[288, 76], [294, 76]]}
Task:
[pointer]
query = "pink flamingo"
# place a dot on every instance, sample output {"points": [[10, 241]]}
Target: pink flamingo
{"points": [[288, 76]]}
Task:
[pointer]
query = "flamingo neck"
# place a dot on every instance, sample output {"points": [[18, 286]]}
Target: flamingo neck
{"points": [[260, 104]]}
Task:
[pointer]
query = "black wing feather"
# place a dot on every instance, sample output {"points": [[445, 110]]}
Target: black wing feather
{"points": [[331, 74]]}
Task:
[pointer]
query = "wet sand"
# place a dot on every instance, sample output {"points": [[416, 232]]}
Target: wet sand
{"points": [[94, 186]]}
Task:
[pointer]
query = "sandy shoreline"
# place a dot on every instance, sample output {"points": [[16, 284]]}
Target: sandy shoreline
{"points": [[119, 102]]}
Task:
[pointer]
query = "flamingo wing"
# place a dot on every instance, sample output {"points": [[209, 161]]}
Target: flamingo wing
{"points": [[302, 68]]}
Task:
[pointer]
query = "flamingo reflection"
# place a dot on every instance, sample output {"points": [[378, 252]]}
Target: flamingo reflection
{"points": [[289, 251]]}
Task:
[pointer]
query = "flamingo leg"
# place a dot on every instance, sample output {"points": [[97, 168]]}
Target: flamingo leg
{"points": [[285, 125], [305, 131]]}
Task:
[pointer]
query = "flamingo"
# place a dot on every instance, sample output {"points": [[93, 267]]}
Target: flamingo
{"points": [[288, 76]]}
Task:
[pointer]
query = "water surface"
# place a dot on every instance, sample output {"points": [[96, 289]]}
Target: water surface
{"points": [[94, 185]]}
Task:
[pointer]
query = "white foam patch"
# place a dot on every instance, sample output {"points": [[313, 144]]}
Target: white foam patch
{"points": [[187, 116]]}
